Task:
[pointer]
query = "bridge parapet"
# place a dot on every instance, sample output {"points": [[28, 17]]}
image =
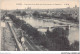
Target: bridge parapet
{"points": [[62, 26]]}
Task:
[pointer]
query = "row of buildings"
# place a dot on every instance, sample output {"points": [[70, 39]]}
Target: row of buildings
{"points": [[72, 12]]}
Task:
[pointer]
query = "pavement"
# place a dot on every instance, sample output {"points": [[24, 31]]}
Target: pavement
{"points": [[0, 38], [7, 42], [2, 25]]}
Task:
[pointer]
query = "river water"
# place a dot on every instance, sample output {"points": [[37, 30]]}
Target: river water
{"points": [[73, 32]]}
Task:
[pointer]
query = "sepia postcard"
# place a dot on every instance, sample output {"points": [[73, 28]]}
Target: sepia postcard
{"points": [[39, 25]]}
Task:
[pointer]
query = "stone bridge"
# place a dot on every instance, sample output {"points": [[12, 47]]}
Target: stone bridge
{"points": [[59, 26]]}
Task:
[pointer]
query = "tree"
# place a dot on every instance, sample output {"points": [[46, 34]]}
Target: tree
{"points": [[48, 33], [58, 32], [18, 12], [36, 14], [23, 14], [59, 40]]}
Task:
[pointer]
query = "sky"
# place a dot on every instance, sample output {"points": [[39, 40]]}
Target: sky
{"points": [[20, 4]]}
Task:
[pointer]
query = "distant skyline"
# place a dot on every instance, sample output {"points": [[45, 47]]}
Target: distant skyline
{"points": [[45, 4]]}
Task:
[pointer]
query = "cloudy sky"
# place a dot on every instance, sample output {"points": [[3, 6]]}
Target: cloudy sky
{"points": [[20, 4]]}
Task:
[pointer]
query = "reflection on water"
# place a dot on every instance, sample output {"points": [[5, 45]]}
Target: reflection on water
{"points": [[73, 35], [73, 32], [39, 22]]}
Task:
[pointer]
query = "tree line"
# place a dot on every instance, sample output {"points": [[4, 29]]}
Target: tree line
{"points": [[56, 40], [62, 16]]}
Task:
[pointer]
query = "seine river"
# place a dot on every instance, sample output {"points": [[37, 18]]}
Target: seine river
{"points": [[73, 32]]}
